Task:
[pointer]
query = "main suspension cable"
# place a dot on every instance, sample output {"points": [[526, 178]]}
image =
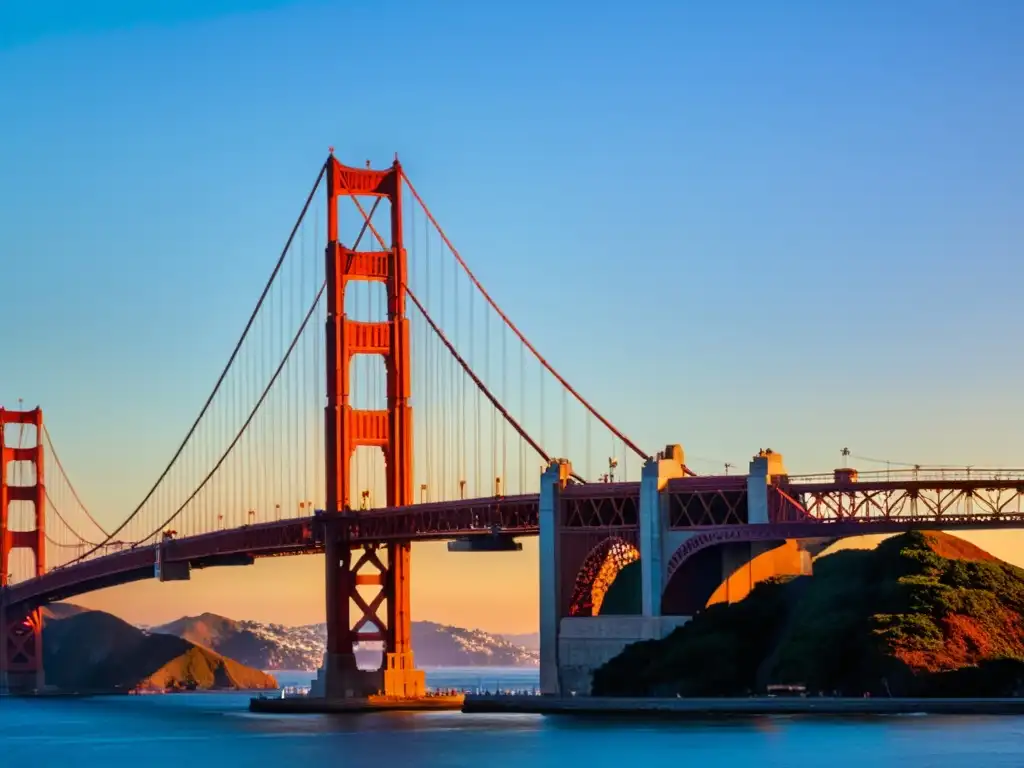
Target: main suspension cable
{"points": [[481, 387], [51, 451], [252, 414], [494, 305], [56, 510], [223, 374]]}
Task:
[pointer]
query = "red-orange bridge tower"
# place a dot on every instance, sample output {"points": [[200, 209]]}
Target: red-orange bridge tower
{"points": [[21, 649], [347, 428]]}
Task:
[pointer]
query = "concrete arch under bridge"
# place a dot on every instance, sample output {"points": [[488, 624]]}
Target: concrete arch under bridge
{"points": [[635, 561], [720, 570]]}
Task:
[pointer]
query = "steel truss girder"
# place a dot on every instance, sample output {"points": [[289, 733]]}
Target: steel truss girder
{"points": [[444, 520], [603, 506], [922, 502]]}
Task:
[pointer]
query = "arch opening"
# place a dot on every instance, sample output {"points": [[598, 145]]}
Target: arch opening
{"points": [[726, 572], [598, 579]]}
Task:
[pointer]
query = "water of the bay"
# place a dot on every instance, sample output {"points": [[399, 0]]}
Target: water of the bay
{"points": [[215, 729]]}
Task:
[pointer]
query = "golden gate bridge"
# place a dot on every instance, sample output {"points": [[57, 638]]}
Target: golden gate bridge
{"points": [[378, 395]]}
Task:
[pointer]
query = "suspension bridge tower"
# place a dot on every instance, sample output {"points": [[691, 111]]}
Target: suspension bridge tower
{"points": [[385, 569], [21, 632]]}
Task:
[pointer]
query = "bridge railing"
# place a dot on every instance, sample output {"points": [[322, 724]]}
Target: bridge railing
{"points": [[919, 474]]}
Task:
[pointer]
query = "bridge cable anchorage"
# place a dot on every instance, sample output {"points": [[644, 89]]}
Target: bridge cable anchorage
{"points": [[223, 374], [51, 452], [483, 387], [479, 286]]}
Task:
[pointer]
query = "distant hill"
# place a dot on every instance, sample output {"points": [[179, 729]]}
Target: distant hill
{"points": [[61, 610], [94, 651], [528, 640], [273, 646], [263, 646], [924, 614], [441, 645]]}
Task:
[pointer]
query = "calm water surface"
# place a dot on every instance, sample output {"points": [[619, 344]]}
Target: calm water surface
{"points": [[191, 730]]}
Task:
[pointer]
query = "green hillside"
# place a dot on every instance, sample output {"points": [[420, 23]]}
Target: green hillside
{"points": [[924, 614]]}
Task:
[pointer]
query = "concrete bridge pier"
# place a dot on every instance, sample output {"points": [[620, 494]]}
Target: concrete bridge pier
{"points": [[572, 647], [552, 482], [766, 465], [699, 541]]}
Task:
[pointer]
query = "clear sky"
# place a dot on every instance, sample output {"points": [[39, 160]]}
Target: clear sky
{"points": [[734, 225]]}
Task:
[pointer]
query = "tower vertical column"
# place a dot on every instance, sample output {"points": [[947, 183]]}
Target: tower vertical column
{"points": [[763, 467], [5, 562], [655, 475], [21, 628], [5, 531], [348, 428], [339, 666], [400, 675], [552, 481]]}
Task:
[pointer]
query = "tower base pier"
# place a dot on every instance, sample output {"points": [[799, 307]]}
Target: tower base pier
{"points": [[401, 678], [340, 678], [373, 580], [21, 652]]}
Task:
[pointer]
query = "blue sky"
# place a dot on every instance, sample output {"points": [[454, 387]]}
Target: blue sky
{"points": [[733, 225]]}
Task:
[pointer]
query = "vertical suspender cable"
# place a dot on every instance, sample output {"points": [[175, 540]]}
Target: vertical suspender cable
{"points": [[516, 330]]}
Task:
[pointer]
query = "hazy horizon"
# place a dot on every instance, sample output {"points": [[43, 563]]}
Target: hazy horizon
{"points": [[199, 614]]}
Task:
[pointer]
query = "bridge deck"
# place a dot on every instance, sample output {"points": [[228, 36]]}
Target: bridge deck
{"points": [[881, 506]]}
